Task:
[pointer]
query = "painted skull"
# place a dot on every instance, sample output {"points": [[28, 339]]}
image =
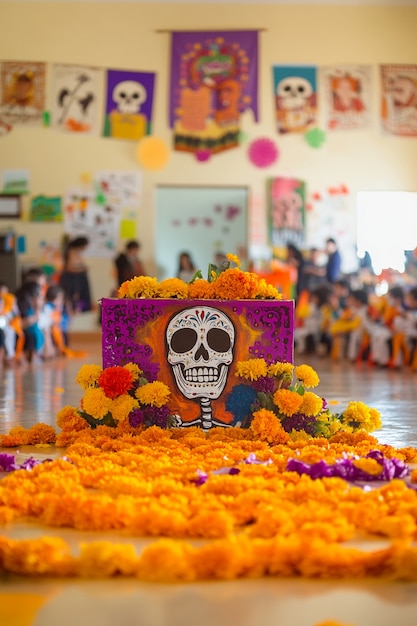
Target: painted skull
{"points": [[200, 344], [293, 92], [129, 96]]}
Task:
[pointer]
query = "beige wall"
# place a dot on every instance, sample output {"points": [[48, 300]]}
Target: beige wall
{"points": [[124, 36]]}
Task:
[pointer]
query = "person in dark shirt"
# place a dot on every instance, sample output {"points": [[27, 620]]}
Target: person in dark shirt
{"points": [[128, 264], [334, 261]]}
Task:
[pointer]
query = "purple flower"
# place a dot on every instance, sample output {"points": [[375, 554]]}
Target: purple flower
{"points": [[7, 463], [136, 417], [298, 422], [252, 460], [345, 468], [264, 384]]}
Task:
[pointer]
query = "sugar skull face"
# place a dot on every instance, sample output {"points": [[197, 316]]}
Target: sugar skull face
{"points": [[200, 344], [293, 92], [129, 96]]}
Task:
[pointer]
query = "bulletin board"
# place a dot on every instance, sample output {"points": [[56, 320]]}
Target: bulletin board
{"points": [[201, 221]]}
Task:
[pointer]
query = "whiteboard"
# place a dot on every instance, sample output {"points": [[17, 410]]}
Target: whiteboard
{"points": [[202, 221]]}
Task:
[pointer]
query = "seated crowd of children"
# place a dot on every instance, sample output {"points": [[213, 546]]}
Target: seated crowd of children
{"points": [[356, 325], [33, 321]]}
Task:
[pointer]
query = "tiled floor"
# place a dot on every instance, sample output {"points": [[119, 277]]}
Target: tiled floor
{"points": [[35, 393]]}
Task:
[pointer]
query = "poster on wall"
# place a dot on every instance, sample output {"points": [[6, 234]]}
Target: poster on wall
{"points": [[347, 97], [331, 216], [399, 99], [85, 217], [286, 211], [22, 92], [129, 99], [75, 97], [214, 80], [295, 90]]}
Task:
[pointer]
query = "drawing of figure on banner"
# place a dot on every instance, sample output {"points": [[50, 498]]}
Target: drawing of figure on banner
{"points": [[75, 95], [129, 99], [399, 99], [214, 80], [22, 92], [347, 101], [287, 211], [295, 92], [84, 217]]}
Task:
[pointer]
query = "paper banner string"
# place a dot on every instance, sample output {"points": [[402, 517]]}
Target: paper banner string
{"points": [[152, 153], [263, 152], [315, 137]]}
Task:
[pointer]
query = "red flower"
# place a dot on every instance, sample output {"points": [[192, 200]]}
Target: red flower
{"points": [[115, 381]]}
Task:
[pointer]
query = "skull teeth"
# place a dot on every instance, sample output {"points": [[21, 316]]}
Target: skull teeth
{"points": [[201, 375]]}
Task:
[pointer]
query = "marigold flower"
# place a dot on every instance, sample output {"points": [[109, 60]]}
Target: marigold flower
{"points": [[96, 403], [234, 284], [266, 426], [173, 288], [287, 401], [88, 375], [251, 369], [121, 406], [68, 417], [139, 287], [279, 370], [154, 394], [200, 289], [41, 433], [307, 375], [233, 258], [134, 370], [370, 466], [115, 381], [267, 291], [311, 404]]}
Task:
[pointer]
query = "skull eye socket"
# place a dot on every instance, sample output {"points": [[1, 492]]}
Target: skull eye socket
{"points": [[218, 340], [183, 340], [301, 89], [122, 94]]}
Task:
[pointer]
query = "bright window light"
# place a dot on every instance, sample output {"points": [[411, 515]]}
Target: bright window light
{"points": [[386, 227]]}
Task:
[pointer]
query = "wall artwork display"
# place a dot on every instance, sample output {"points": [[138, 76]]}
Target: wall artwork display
{"points": [[129, 99], [75, 95], [399, 99], [286, 211], [295, 92], [22, 92], [85, 217], [347, 97], [46, 209], [214, 79]]}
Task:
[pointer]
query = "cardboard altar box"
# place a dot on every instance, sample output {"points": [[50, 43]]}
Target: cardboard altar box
{"points": [[193, 347]]}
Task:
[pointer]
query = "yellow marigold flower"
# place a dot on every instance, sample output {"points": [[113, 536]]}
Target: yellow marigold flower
{"points": [[173, 288], [200, 289], [307, 375], [287, 401], [279, 370], [370, 466], [233, 258], [154, 394], [267, 291], [357, 412], [312, 404], [251, 369], [134, 370], [375, 419], [266, 426], [88, 375], [139, 287], [102, 558], [68, 418], [121, 406], [299, 435], [96, 403]]}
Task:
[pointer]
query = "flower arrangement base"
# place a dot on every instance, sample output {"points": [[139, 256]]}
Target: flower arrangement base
{"points": [[193, 346]]}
